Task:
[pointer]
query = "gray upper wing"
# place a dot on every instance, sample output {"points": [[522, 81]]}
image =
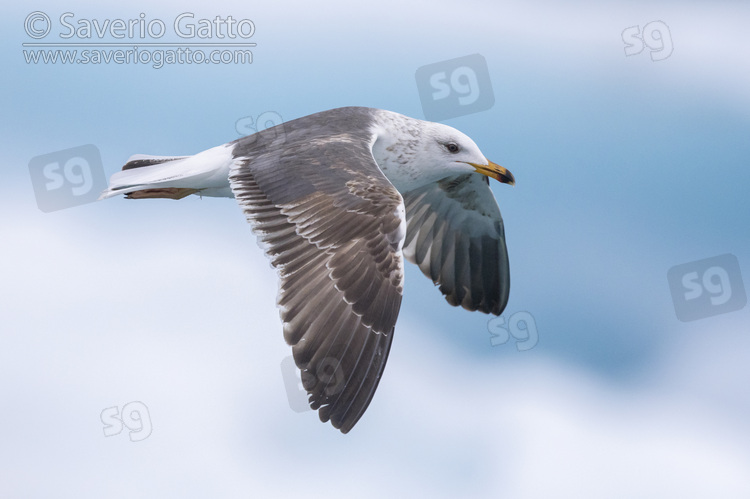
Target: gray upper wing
{"points": [[332, 225], [455, 234]]}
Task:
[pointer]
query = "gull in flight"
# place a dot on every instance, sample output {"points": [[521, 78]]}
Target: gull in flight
{"points": [[337, 200]]}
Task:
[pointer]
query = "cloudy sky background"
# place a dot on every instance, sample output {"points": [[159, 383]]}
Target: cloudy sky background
{"points": [[625, 167]]}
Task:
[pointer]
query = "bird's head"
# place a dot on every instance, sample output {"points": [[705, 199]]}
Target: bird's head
{"points": [[412, 152], [448, 149]]}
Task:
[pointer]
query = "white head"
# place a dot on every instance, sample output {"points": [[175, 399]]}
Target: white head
{"points": [[412, 153]]}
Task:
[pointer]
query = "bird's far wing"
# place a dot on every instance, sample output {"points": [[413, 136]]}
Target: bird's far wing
{"points": [[455, 234], [332, 225]]}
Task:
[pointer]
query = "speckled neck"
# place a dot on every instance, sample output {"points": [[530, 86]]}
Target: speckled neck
{"points": [[398, 142]]}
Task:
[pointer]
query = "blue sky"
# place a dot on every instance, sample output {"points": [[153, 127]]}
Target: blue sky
{"points": [[625, 168]]}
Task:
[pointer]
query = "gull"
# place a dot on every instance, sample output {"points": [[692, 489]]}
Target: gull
{"points": [[337, 200]]}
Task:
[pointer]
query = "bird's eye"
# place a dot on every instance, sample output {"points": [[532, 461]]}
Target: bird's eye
{"points": [[452, 147]]}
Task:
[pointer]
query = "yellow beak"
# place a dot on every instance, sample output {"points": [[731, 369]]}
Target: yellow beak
{"points": [[495, 171]]}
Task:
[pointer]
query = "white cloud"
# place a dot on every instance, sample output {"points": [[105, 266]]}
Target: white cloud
{"points": [[206, 363]]}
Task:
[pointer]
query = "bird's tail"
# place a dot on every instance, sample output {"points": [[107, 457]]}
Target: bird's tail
{"points": [[173, 177]]}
